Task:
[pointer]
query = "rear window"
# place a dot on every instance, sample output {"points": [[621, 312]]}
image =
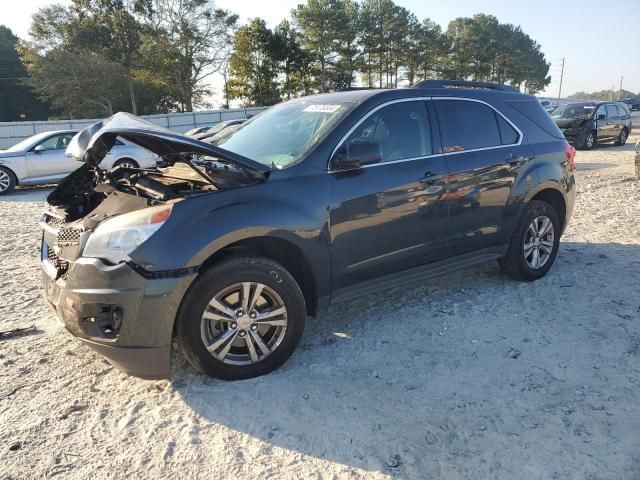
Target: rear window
{"points": [[467, 125], [533, 111]]}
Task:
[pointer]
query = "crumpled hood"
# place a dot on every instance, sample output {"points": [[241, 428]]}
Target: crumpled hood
{"points": [[92, 144], [569, 122]]}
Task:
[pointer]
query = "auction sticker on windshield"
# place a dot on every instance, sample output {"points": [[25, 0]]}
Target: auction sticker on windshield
{"points": [[322, 108]]}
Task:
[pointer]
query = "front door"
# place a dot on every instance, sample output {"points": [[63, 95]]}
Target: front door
{"points": [[484, 157], [48, 159], [389, 217]]}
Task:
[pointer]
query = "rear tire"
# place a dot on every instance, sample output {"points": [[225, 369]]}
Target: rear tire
{"points": [[7, 181], [622, 138], [526, 245], [225, 336]]}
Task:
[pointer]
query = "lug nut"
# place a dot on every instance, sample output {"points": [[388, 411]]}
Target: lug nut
{"points": [[242, 333], [239, 313], [254, 327], [253, 315], [234, 325]]}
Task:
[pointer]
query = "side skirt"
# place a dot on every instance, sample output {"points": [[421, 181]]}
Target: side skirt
{"points": [[418, 274]]}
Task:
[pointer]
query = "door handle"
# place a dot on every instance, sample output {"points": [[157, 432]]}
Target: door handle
{"points": [[431, 177], [515, 160]]}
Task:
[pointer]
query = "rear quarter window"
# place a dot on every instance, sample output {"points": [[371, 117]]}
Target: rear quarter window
{"points": [[533, 111]]}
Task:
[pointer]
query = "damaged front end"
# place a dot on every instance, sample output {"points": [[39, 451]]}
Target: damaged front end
{"points": [[97, 218], [89, 196]]}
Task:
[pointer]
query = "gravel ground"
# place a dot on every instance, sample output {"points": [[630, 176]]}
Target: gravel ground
{"points": [[472, 375]]}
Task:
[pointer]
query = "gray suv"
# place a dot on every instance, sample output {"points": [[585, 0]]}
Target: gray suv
{"points": [[228, 246]]}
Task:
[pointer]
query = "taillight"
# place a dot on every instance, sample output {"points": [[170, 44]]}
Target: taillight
{"points": [[570, 151]]}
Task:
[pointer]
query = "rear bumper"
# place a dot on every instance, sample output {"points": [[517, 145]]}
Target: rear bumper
{"points": [[123, 316]]}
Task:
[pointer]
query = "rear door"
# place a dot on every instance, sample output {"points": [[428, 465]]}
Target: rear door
{"points": [[47, 159], [614, 121], [485, 155], [389, 217], [604, 124]]}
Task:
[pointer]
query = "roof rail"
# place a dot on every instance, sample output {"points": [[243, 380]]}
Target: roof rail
{"points": [[465, 84]]}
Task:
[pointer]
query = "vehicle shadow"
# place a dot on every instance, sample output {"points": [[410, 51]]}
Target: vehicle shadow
{"points": [[436, 381]]}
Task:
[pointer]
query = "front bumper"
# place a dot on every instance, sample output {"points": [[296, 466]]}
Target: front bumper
{"points": [[119, 313]]}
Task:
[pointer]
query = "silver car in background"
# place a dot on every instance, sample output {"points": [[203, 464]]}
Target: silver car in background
{"points": [[41, 159]]}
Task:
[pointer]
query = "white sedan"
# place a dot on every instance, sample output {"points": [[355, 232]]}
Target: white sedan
{"points": [[41, 159]]}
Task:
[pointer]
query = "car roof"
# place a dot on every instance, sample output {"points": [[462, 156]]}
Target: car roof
{"points": [[360, 95]]}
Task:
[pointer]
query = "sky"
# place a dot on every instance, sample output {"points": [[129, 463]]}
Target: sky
{"points": [[598, 49]]}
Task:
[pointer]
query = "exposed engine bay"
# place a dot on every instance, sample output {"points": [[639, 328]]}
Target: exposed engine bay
{"points": [[87, 187], [90, 197], [188, 167]]}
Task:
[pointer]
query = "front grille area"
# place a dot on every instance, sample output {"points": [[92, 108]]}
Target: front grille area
{"points": [[68, 235], [62, 266], [52, 221]]}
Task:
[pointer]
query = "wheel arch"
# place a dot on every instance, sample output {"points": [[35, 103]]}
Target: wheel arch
{"points": [[11, 172], [280, 250], [554, 198]]}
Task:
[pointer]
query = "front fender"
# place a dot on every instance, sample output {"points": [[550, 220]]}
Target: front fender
{"points": [[200, 227], [17, 165]]}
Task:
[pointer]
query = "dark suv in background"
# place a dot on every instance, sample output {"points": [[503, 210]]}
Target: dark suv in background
{"points": [[589, 123], [230, 245]]}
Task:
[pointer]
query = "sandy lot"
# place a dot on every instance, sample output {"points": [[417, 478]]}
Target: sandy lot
{"points": [[468, 376]]}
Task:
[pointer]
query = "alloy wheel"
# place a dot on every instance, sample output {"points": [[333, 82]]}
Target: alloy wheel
{"points": [[539, 242], [5, 181], [590, 140], [126, 164], [244, 323]]}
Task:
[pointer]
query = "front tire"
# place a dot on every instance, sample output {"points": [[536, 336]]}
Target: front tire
{"points": [[534, 244], [590, 141], [242, 318], [7, 181]]}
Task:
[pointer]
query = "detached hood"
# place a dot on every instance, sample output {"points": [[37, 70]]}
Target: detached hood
{"points": [[92, 144]]}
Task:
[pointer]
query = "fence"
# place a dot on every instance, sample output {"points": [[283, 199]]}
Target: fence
{"points": [[12, 132]]}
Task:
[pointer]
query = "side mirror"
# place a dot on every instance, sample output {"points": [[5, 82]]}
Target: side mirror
{"points": [[39, 149], [601, 116], [357, 154]]}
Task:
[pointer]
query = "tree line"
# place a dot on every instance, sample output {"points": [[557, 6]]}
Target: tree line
{"points": [[95, 57]]}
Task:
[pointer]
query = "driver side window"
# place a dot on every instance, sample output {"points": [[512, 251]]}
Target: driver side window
{"points": [[401, 129], [601, 111], [57, 142]]}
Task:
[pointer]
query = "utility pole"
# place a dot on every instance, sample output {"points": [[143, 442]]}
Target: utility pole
{"points": [[620, 91], [561, 77]]}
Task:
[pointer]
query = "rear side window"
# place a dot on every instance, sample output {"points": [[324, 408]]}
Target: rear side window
{"points": [[612, 111], [467, 125], [534, 112], [623, 110], [508, 134], [402, 130]]}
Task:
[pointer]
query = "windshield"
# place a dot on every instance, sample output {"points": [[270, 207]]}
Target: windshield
{"points": [[573, 111], [284, 134]]}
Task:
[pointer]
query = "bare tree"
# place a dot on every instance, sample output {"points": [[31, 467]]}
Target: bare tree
{"points": [[199, 34]]}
